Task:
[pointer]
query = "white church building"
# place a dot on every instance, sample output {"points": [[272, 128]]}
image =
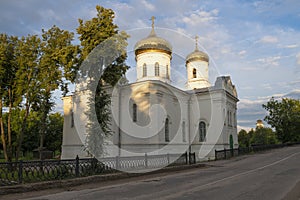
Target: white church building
{"points": [[154, 117]]}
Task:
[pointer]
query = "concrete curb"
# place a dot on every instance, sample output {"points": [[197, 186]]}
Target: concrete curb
{"points": [[89, 179]]}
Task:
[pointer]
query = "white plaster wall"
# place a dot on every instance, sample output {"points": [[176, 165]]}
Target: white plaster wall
{"points": [[71, 145], [150, 58], [201, 81], [161, 101]]}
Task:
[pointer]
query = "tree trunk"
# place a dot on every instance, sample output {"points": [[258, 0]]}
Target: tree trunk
{"points": [[9, 144], [3, 139], [45, 109], [23, 127]]}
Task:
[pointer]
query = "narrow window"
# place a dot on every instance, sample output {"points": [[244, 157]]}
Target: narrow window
{"points": [[224, 116], [194, 73], [72, 119], [228, 120], [234, 119], [134, 112], [144, 70], [183, 132], [167, 71], [156, 69], [167, 138], [202, 131]]}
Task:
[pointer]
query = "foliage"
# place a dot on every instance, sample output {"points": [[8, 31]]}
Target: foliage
{"points": [[31, 135], [8, 68], [33, 66], [243, 138], [263, 136], [54, 132], [100, 32], [284, 116], [259, 136]]}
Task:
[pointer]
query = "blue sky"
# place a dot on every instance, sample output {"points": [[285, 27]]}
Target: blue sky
{"points": [[257, 43]]}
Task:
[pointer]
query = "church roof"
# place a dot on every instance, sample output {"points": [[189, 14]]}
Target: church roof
{"points": [[197, 54], [152, 42]]}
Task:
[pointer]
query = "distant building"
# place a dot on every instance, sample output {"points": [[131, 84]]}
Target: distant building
{"points": [[259, 124], [208, 112]]}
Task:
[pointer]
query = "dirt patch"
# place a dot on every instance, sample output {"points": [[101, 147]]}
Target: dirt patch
{"points": [[294, 194]]}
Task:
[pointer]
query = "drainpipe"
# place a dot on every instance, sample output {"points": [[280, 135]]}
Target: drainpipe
{"points": [[189, 125], [119, 127]]}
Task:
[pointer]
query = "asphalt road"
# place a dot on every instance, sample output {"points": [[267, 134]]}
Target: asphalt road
{"points": [[271, 175]]}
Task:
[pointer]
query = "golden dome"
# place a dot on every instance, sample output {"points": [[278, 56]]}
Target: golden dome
{"points": [[152, 43], [197, 55]]}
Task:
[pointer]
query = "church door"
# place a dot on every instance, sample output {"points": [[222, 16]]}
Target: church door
{"points": [[231, 142]]}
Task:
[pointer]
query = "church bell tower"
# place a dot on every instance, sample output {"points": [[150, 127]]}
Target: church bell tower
{"points": [[153, 56], [197, 69]]}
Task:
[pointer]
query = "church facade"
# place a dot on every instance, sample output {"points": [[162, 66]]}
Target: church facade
{"points": [[152, 116]]}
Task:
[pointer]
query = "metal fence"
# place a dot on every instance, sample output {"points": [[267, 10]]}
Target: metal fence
{"points": [[12, 173], [228, 153]]}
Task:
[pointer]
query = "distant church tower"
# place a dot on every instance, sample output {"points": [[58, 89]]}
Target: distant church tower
{"points": [[259, 124], [197, 69], [153, 56]]}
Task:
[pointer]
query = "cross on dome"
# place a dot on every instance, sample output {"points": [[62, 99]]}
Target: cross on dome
{"points": [[152, 19], [196, 40]]}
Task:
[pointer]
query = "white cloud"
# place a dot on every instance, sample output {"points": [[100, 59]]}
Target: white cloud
{"points": [[272, 60], [201, 16], [242, 53], [269, 39], [298, 58], [246, 128], [291, 46], [267, 86], [148, 5]]}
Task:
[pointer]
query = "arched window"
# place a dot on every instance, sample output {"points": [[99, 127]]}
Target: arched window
{"points": [[134, 112], [194, 73], [202, 131], [156, 69], [144, 70], [167, 136], [183, 132], [167, 71]]}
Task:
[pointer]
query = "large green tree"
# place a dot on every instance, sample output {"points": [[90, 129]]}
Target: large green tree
{"points": [[28, 85], [8, 97], [93, 33], [284, 116], [263, 136], [32, 67], [243, 138], [258, 136], [58, 59]]}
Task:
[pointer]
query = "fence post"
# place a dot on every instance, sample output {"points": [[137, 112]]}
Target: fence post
{"points": [[77, 166], [168, 158], [146, 160], [186, 158], [20, 173], [216, 156], [225, 153], [117, 162], [94, 165], [194, 157]]}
